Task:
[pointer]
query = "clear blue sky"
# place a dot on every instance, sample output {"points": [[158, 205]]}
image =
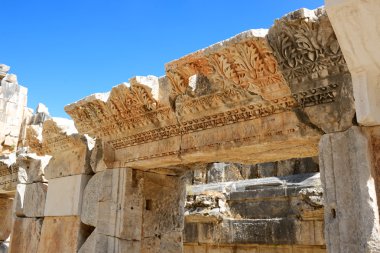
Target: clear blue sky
{"points": [[64, 50]]}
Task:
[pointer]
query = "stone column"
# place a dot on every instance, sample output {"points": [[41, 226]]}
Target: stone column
{"points": [[349, 170], [68, 173]]}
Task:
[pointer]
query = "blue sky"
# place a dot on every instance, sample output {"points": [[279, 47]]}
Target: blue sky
{"points": [[65, 50]]}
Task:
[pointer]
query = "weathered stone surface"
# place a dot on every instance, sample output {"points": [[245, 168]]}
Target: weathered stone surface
{"points": [[19, 200], [90, 201], [70, 151], [163, 215], [99, 243], [218, 248], [102, 156], [62, 234], [5, 217], [121, 201], [353, 24], [31, 168], [8, 173], [348, 176], [64, 197], [26, 235], [313, 65], [13, 99], [34, 199]]}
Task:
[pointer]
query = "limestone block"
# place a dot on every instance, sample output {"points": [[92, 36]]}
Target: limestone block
{"points": [[34, 199], [121, 204], [31, 168], [90, 202], [353, 24], [19, 200], [351, 208], [102, 156], [62, 234], [5, 218], [8, 173], [70, 151], [99, 243], [64, 197], [26, 235]]}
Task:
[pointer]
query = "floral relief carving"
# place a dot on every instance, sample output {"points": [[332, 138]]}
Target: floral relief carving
{"points": [[304, 46]]}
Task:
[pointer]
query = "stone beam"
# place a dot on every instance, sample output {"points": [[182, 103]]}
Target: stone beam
{"points": [[259, 96], [356, 24]]}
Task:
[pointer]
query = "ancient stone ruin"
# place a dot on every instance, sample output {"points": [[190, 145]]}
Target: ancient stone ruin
{"points": [[266, 142]]}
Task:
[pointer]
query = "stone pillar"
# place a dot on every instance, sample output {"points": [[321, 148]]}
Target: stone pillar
{"points": [[348, 173], [357, 27], [133, 211], [68, 172]]}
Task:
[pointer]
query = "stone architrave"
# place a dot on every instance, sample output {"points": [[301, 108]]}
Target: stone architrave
{"points": [[25, 236], [62, 234], [5, 217], [356, 26], [121, 204], [64, 197], [262, 95], [348, 174], [70, 151]]}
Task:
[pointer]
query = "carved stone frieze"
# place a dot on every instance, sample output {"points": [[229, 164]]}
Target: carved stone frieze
{"points": [[245, 62], [235, 98]]}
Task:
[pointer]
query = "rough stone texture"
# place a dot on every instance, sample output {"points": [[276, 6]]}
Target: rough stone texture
{"points": [[355, 25], [64, 197], [163, 213], [26, 235], [8, 173], [5, 217], [19, 200], [70, 151], [99, 243], [284, 211], [218, 248], [31, 168], [34, 200], [62, 234], [352, 214], [102, 156], [90, 201]]}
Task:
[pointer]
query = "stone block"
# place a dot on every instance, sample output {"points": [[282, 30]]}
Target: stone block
{"points": [[26, 235], [31, 168], [90, 202], [5, 218], [64, 197], [34, 199], [70, 151], [99, 243], [19, 200], [353, 24], [62, 234], [351, 208], [102, 156], [121, 204]]}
